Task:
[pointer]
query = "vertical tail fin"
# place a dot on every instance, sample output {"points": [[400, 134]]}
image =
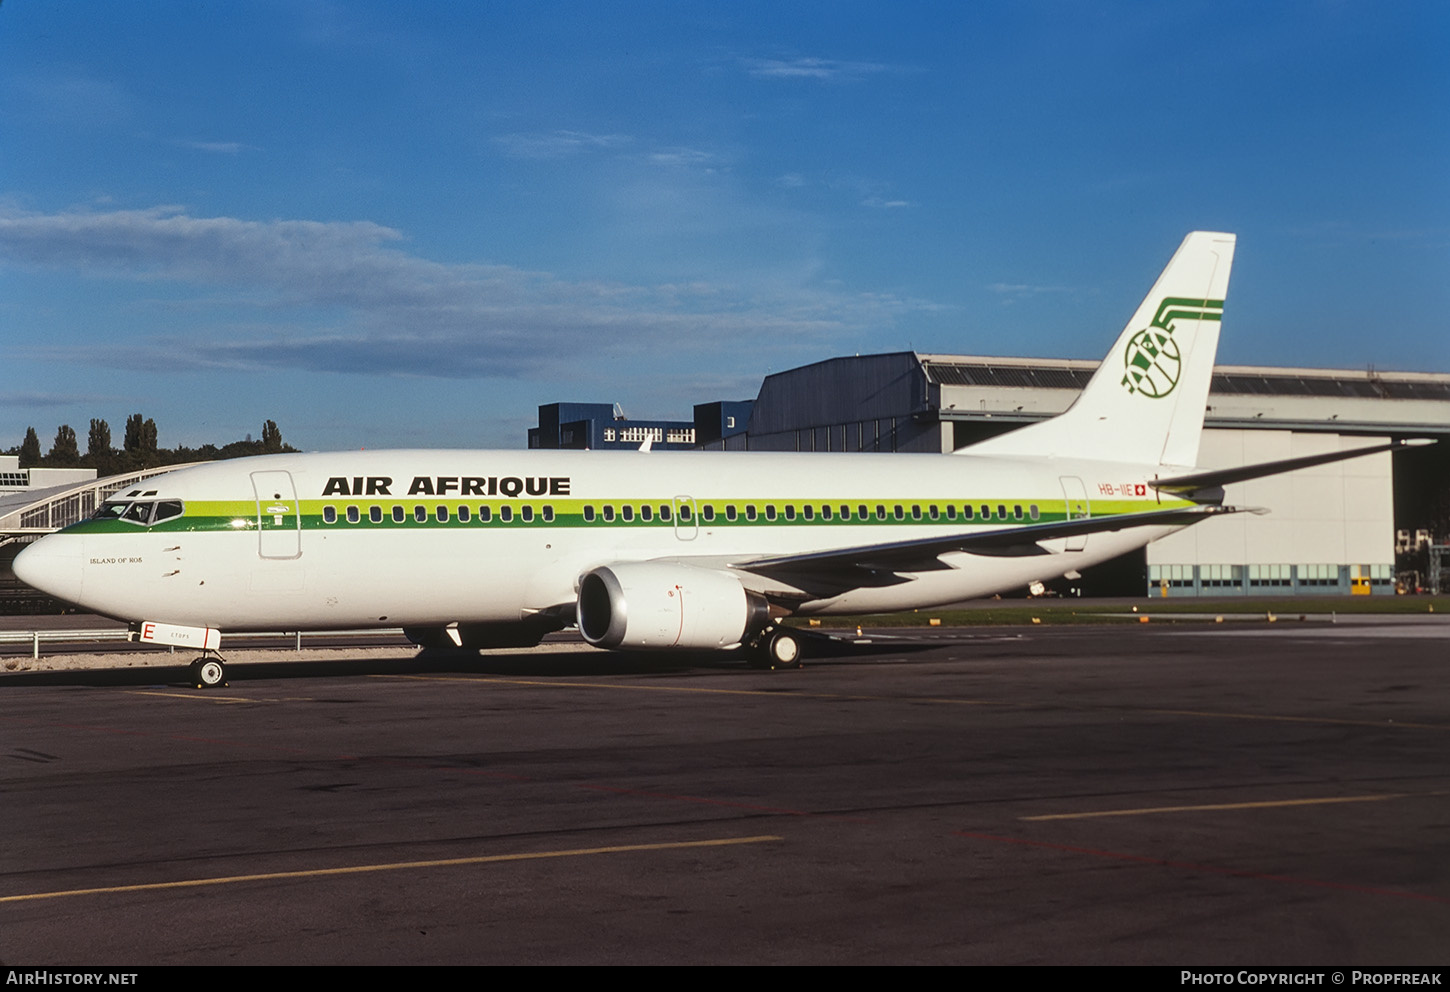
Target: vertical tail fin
{"points": [[1146, 401]]}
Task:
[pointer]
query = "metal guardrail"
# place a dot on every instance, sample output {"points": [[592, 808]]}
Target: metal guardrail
{"points": [[87, 635]]}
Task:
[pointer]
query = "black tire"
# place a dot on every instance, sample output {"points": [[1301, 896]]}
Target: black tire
{"points": [[783, 649], [208, 673]]}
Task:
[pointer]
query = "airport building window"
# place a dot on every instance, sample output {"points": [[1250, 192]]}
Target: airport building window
{"points": [[352, 515], [329, 514], [375, 514]]}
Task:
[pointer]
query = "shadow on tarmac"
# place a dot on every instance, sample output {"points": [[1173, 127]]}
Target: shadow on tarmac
{"points": [[572, 661]]}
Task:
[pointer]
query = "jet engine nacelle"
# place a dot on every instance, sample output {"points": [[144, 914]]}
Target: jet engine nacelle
{"points": [[663, 605]]}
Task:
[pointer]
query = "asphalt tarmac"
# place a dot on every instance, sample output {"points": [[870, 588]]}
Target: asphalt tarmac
{"points": [[1175, 795]]}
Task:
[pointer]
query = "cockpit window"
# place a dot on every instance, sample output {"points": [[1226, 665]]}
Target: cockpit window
{"points": [[110, 511], [143, 513], [138, 513], [166, 509]]}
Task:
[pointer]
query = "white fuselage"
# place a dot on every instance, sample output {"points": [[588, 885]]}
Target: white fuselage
{"points": [[250, 554]]}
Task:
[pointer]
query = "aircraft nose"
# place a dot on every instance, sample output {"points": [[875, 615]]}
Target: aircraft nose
{"points": [[53, 565]]}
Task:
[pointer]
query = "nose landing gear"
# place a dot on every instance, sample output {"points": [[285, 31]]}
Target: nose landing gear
{"points": [[209, 672]]}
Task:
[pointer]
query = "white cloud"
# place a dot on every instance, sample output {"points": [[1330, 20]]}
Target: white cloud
{"points": [[810, 68], [556, 144], [347, 296]]}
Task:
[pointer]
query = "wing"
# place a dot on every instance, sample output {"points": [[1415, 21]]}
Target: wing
{"points": [[880, 564]]}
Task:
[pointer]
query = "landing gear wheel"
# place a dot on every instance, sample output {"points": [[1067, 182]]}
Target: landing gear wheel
{"points": [[782, 649], [208, 673]]}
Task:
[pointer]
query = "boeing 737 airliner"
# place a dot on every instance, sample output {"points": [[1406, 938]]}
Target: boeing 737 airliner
{"points": [[698, 550]]}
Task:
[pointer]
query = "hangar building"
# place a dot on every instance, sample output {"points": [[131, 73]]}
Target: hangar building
{"points": [[1333, 529], [1350, 527]]}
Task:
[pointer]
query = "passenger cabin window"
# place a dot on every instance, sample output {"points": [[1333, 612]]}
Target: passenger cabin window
{"points": [[526, 514], [1033, 512], [375, 514], [505, 514], [790, 511], [770, 513], [664, 513], [589, 514], [463, 514], [608, 513], [708, 513], [646, 512], [626, 513], [485, 514], [548, 514], [750, 513], [353, 516], [730, 512], [441, 512], [329, 514], [420, 514], [399, 514]]}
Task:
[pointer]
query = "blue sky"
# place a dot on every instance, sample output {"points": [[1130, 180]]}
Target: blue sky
{"points": [[386, 224]]}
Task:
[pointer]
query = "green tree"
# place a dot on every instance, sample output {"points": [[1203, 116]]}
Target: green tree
{"points": [[30, 449], [140, 434], [65, 451], [98, 444], [133, 432], [271, 437]]}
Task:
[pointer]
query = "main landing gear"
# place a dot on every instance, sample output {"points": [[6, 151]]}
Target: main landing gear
{"points": [[777, 647], [209, 672]]}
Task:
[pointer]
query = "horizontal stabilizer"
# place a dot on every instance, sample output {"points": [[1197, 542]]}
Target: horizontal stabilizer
{"points": [[1212, 479]]}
